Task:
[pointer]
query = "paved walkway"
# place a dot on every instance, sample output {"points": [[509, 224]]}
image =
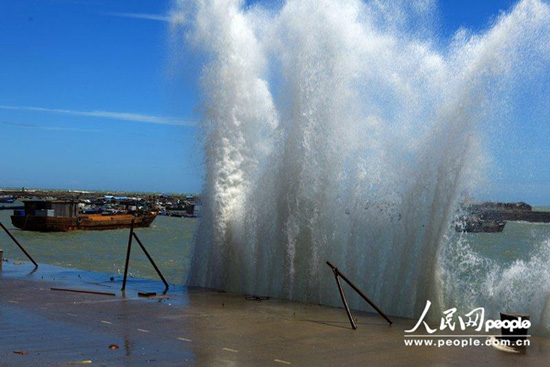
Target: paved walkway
{"points": [[192, 327]]}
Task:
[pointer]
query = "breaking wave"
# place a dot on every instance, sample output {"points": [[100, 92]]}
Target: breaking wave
{"points": [[344, 130]]}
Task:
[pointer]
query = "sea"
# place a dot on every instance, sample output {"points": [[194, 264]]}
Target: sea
{"points": [[169, 241]]}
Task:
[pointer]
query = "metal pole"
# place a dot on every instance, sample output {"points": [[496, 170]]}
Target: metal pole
{"points": [[83, 291], [335, 269], [345, 302], [151, 260], [128, 256], [366, 298], [18, 244]]}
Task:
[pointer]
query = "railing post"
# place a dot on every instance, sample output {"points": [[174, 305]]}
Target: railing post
{"points": [[128, 256], [151, 260], [337, 274], [344, 301], [127, 265], [19, 245]]}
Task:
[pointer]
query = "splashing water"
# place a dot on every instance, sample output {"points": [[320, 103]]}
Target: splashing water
{"points": [[340, 130], [523, 286]]}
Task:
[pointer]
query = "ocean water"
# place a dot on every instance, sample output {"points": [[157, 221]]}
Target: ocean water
{"points": [[169, 241], [502, 272], [517, 242]]}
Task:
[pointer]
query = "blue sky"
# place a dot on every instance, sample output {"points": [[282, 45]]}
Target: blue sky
{"points": [[82, 68], [88, 100]]}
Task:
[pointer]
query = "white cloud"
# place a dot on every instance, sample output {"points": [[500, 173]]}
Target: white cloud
{"points": [[170, 18], [54, 128], [126, 116]]}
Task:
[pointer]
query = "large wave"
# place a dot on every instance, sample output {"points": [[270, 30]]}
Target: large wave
{"points": [[344, 130]]}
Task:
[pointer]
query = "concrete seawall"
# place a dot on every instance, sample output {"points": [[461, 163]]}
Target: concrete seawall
{"points": [[197, 327]]}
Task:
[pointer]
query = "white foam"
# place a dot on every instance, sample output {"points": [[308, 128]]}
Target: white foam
{"points": [[341, 130]]}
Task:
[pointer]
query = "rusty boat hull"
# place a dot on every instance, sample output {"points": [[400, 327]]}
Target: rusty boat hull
{"points": [[88, 222]]}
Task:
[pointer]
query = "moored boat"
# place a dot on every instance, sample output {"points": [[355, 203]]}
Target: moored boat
{"points": [[62, 216], [479, 225]]}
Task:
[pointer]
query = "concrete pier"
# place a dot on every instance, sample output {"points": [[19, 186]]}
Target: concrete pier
{"points": [[197, 327]]}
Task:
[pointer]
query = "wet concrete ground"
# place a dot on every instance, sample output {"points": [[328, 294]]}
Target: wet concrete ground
{"points": [[196, 327]]}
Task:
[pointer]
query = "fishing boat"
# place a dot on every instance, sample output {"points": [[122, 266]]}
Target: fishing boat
{"points": [[63, 216], [480, 225]]}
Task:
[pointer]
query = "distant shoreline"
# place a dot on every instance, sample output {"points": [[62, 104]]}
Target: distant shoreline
{"points": [[56, 192]]}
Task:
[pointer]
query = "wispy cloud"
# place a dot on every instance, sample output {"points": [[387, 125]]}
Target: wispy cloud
{"points": [[167, 18], [54, 128], [126, 116]]}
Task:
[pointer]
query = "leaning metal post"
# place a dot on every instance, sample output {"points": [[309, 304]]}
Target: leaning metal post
{"points": [[128, 256], [337, 274], [344, 300], [151, 260], [19, 245], [83, 291]]}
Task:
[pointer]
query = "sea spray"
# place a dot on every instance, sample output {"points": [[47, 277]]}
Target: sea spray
{"points": [[339, 130], [523, 286]]}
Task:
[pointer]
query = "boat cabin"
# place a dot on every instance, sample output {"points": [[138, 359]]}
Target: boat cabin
{"points": [[47, 208]]}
